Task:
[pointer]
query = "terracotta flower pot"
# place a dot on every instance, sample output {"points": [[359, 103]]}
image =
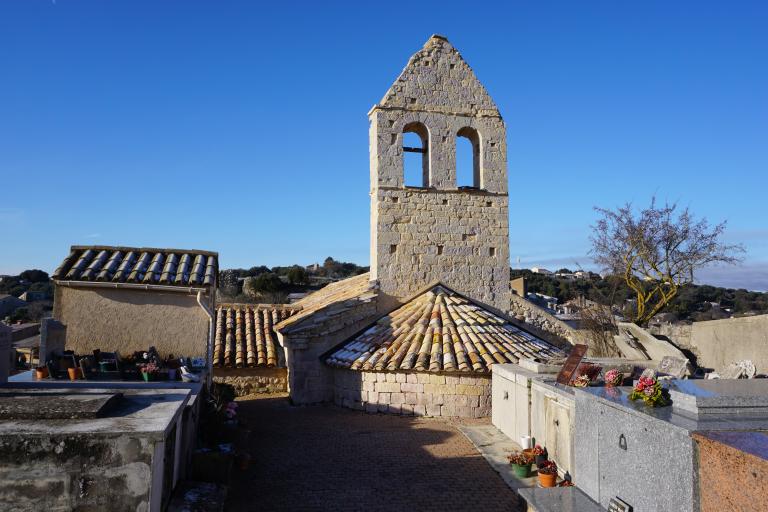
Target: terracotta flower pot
{"points": [[528, 452], [547, 480], [74, 373], [521, 470], [41, 372]]}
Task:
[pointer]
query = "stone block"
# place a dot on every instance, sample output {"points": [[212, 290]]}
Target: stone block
{"points": [[384, 398], [422, 378], [419, 410], [411, 398], [400, 377], [481, 412], [412, 378], [448, 410], [397, 398], [438, 399], [452, 380], [388, 387], [394, 409], [371, 408], [412, 388], [436, 379], [473, 401], [369, 386], [391, 377], [464, 411], [373, 397], [406, 410], [433, 410]]}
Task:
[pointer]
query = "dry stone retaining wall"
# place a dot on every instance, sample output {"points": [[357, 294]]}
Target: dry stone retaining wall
{"points": [[420, 394], [253, 380]]}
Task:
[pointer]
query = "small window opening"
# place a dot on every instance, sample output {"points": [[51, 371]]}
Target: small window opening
{"points": [[439, 250], [415, 155], [489, 203], [492, 251], [395, 199], [468, 158], [393, 249], [445, 201]]}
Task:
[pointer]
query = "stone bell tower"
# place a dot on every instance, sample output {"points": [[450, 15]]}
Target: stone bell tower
{"points": [[437, 231]]}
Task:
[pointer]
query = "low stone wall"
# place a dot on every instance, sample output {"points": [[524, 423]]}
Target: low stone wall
{"points": [[247, 381], [414, 393], [542, 323]]}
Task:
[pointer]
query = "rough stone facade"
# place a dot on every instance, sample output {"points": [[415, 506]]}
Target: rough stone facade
{"points": [[541, 322], [253, 380], [439, 232], [414, 393]]}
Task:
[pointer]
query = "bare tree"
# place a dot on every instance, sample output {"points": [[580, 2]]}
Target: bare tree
{"points": [[657, 250]]}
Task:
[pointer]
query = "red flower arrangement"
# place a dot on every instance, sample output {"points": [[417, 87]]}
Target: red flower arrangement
{"points": [[548, 467], [649, 390]]}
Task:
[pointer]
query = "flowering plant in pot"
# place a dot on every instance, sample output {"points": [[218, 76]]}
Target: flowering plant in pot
{"points": [[649, 390], [521, 464], [548, 473], [149, 371], [539, 454], [614, 377]]}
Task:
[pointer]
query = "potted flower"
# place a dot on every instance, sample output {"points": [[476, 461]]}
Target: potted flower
{"points": [[614, 377], [649, 390], [539, 454], [582, 381], [149, 371], [548, 473], [521, 464]]}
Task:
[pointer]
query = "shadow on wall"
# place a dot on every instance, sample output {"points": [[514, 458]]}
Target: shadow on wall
{"points": [[328, 458]]}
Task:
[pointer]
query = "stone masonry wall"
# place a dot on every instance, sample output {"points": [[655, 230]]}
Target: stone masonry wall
{"points": [[439, 232], [420, 394], [543, 323], [248, 381]]}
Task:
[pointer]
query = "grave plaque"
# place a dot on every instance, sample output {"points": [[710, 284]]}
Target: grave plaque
{"points": [[619, 505], [569, 367]]}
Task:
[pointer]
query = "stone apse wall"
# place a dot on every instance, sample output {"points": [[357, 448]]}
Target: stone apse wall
{"points": [[420, 394], [439, 232]]}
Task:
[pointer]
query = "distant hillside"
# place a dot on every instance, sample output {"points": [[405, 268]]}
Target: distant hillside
{"points": [[693, 302]]}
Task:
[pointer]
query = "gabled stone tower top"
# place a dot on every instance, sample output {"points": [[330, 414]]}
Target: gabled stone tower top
{"points": [[437, 78], [439, 230]]}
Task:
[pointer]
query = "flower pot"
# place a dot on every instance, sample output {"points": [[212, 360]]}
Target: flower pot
{"points": [[148, 377], [540, 458], [547, 480], [528, 452], [521, 471], [41, 372], [74, 373]]}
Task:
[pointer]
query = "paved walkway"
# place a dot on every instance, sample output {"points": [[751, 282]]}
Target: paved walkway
{"points": [[328, 458]]}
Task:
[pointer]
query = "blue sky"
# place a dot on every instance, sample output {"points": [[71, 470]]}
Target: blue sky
{"points": [[241, 127]]}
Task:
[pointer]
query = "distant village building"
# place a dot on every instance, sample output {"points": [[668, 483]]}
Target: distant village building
{"points": [[542, 271], [32, 296], [128, 299]]}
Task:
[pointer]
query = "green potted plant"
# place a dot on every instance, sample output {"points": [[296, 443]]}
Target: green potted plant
{"points": [[548, 473], [521, 464]]}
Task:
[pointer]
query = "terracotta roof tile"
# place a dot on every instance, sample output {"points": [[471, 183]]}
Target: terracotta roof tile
{"points": [[139, 266], [440, 331], [245, 335]]}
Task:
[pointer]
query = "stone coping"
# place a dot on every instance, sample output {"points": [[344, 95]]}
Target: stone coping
{"points": [[720, 396], [618, 397], [144, 412]]}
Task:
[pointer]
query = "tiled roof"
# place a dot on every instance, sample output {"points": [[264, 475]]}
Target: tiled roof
{"points": [[139, 266], [245, 335], [440, 330], [331, 301]]}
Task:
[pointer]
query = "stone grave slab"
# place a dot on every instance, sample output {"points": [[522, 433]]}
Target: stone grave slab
{"points": [[675, 366], [719, 396], [55, 404]]}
